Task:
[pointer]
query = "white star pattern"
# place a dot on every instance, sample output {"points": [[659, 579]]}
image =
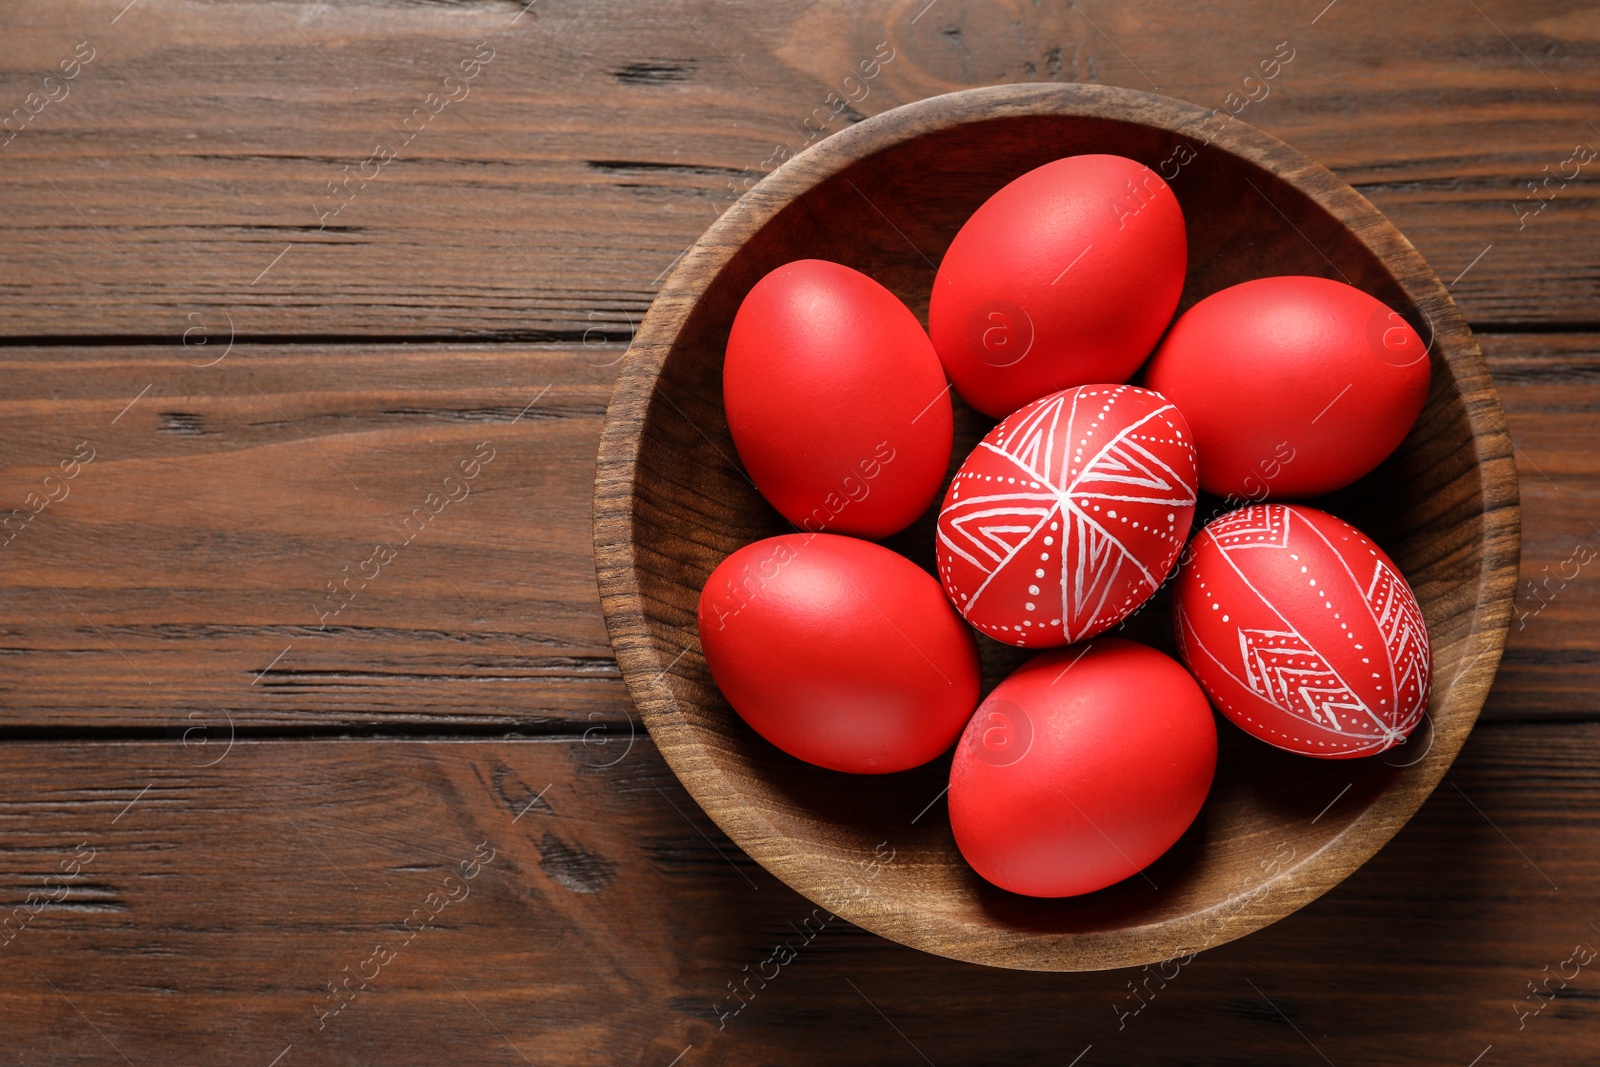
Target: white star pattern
{"points": [[1070, 514]]}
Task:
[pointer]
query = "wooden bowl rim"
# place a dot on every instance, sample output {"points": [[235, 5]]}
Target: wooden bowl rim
{"points": [[645, 667]]}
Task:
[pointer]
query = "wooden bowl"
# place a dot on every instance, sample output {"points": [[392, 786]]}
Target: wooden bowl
{"points": [[886, 196]]}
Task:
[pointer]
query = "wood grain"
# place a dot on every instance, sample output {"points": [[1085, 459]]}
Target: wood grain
{"points": [[172, 197], [198, 145], [614, 917], [186, 571], [1551, 667], [415, 655]]}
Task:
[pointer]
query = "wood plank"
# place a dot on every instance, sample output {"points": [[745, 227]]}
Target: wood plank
{"points": [[188, 566], [214, 906], [198, 543], [1548, 384], [187, 169]]}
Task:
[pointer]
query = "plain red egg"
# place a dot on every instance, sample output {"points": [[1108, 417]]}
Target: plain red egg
{"points": [[1303, 631], [839, 651], [1081, 769], [1294, 386], [1068, 515], [1066, 276], [836, 401]]}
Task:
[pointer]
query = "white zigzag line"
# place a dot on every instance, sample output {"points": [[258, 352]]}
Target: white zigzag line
{"points": [[1011, 555], [952, 546], [1182, 619], [1302, 637], [1241, 522], [1151, 460], [966, 516], [1035, 437], [1091, 521], [1394, 688], [1270, 674], [1328, 707], [1105, 591]]}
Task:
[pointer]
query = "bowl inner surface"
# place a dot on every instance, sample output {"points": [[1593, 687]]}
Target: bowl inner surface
{"points": [[1277, 829]]}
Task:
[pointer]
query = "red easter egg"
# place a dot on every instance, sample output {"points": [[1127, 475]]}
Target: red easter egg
{"points": [[1068, 515], [839, 651], [1081, 768], [1066, 276], [1294, 386], [835, 400], [1302, 631]]}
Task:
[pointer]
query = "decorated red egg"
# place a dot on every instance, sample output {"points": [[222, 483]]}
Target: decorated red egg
{"points": [[1066, 276], [839, 651], [1294, 386], [1302, 631], [1068, 515], [837, 404], [1081, 768]]}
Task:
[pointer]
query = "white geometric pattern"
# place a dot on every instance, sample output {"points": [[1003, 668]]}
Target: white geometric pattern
{"points": [[1405, 633], [1053, 465], [1284, 668]]}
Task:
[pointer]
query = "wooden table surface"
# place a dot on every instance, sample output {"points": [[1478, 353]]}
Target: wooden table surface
{"points": [[296, 292]]}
